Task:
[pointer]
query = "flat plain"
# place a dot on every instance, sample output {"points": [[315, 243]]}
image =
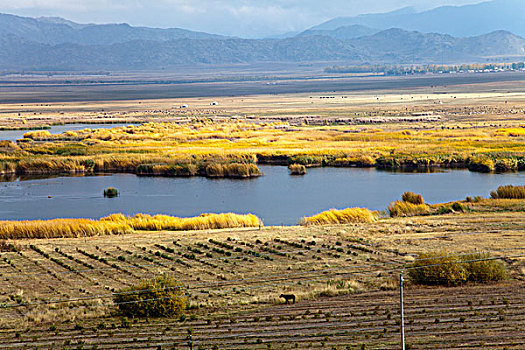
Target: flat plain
{"points": [[57, 293]]}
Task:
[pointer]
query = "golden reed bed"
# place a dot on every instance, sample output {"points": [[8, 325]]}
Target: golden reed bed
{"points": [[121, 224]]}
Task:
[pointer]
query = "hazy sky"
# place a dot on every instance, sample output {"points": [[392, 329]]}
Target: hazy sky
{"points": [[245, 18]]}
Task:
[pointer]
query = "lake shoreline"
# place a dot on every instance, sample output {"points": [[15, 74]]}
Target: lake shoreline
{"points": [[277, 197]]}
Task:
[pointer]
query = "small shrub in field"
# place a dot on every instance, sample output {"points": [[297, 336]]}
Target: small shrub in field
{"points": [[478, 199], [455, 207], [413, 198], [444, 209], [401, 208], [458, 207], [440, 268], [297, 169], [486, 270], [159, 297], [334, 216], [509, 192], [111, 192]]}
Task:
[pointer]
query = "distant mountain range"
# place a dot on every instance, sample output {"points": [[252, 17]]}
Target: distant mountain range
{"points": [[60, 45], [459, 21], [55, 31]]}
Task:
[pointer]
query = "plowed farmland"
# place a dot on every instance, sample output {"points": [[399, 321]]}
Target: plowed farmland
{"points": [[58, 294]]}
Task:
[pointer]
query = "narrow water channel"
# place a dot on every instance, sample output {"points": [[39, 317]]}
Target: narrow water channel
{"points": [[13, 135]]}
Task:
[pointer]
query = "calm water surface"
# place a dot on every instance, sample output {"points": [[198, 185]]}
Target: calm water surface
{"points": [[277, 197], [13, 135]]}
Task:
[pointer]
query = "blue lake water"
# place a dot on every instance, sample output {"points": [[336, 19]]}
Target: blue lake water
{"points": [[277, 197]]}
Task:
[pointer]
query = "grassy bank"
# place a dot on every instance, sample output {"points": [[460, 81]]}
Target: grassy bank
{"points": [[344, 216], [121, 224]]}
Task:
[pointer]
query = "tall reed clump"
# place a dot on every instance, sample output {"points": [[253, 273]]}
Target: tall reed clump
{"points": [[345, 216], [509, 192], [183, 169], [441, 268], [38, 135], [61, 228], [413, 198], [145, 222], [400, 208], [412, 204], [233, 170], [297, 169], [159, 297]]}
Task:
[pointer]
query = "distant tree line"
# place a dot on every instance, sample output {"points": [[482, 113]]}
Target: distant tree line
{"points": [[422, 69]]}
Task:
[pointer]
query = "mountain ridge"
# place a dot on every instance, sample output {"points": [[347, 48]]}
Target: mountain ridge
{"points": [[56, 30], [392, 46], [58, 44], [459, 21]]}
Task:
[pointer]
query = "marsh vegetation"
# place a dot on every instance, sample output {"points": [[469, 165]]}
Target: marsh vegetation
{"points": [[232, 149]]}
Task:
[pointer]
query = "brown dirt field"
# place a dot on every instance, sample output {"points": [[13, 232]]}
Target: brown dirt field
{"points": [[346, 287]]}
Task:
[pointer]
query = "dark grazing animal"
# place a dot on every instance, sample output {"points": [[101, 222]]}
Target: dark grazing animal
{"points": [[288, 297]]}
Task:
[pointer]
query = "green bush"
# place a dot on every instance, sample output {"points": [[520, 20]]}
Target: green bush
{"points": [[437, 268], [486, 270], [111, 192], [413, 198], [509, 192], [455, 207], [441, 268], [458, 207], [159, 297], [444, 209]]}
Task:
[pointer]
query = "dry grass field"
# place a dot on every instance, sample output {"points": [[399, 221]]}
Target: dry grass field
{"points": [[58, 293], [483, 132]]}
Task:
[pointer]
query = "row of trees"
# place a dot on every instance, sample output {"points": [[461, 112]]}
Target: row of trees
{"points": [[422, 69]]}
